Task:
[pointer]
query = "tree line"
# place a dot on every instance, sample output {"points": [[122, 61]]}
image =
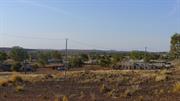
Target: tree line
{"points": [[42, 58]]}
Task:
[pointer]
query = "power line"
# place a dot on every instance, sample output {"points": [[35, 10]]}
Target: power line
{"points": [[90, 45], [30, 37], [62, 39]]}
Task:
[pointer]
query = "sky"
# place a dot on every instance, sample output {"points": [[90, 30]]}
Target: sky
{"points": [[122, 25]]}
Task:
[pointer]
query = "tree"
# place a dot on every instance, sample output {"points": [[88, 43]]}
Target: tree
{"points": [[56, 55], [105, 61], [175, 46], [43, 58], [116, 58], [84, 57], [3, 56], [33, 55], [18, 54], [137, 55], [75, 61]]}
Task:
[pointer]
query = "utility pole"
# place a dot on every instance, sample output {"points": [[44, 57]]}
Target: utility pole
{"points": [[145, 49], [66, 57], [145, 52], [145, 57]]}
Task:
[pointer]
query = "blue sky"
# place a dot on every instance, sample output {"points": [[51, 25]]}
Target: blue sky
{"points": [[89, 24]]}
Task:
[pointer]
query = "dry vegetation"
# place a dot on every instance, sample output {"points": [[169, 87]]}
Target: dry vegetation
{"points": [[176, 87], [101, 85]]}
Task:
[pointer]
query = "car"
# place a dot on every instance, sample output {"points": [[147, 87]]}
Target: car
{"points": [[61, 68], [27, 69], [168, 65]]}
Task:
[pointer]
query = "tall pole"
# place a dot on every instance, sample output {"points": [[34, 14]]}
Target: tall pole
{"points": [[145, 52], [66, 56], [145, 49], [145, 57]]}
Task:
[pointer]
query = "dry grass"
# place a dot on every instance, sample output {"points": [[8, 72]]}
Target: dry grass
{"points": [[56, 98], [4, 82], [115, 84], [113, 93], [16, 78], [160, 77], [11, 80], [93, 96], [104, 89], [141, 98], [130, 91], [161, 91], [82, 95], [65, 98], [176, 87], [19, 88]]}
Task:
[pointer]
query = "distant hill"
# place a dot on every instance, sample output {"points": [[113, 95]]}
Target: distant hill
{"points": [[75, 51], [5, 49]]}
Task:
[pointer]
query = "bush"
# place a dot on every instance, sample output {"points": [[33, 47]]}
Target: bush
{"points": [[16, 66], [105, 62], [75, 62]]}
